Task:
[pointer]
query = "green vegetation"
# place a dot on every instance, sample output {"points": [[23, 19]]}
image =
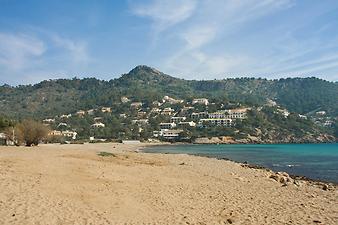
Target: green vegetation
{"points": [[106, 154], [53, 98]]}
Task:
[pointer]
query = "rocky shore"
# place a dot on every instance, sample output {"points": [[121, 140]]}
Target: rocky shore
{"points": [[322, 138]]}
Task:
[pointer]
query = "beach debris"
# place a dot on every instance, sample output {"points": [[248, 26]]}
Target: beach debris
{"points": [[325, 187], [230, 221], [181, 164], [317, 221], [282, 177]]}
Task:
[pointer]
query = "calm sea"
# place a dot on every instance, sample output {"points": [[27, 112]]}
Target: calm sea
{"points": [[315, 161]]}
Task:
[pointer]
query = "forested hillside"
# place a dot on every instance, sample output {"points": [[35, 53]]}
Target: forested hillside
{"points": [[55, 97]]}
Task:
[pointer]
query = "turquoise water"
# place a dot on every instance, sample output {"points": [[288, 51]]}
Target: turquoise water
{"points": [[315, 161]]}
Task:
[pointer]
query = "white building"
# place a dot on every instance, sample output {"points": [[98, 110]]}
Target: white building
{"points": [[199, 115], [167, 125], [98, 125], [167, 134], [284, 112], [62, 125], [302, 116], [91, 111], [217, 122], [177, 119], [124, 99], [321, 113], [140, 122], [80, 113], [167, 111], [217, 115], [187, 124], [48, 120], [66, 116], [171, 100], [136, 104], [236, 113], [106, 109], [71, 134], [201, 101]]}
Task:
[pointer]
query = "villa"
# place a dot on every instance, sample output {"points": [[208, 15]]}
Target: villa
{"points": [[98, 125], [216, 122], [177, 119], [167, 125], [201, 101]]}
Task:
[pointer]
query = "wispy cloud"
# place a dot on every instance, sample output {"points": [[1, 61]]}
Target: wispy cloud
{"points": [[40, 56], [19, 50], [214, 21], [164, 13], [77, 50], [222, 38]]}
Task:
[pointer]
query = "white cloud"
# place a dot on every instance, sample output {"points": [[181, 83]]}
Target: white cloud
{"points": [[77, 49], [212, 22], [19, 50], [165, 13], [29, 58]]}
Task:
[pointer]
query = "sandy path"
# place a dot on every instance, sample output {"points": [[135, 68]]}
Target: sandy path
{"points": [[71, 184]]}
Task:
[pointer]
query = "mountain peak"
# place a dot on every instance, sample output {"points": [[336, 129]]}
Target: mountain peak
{"points": [[144, 68]]}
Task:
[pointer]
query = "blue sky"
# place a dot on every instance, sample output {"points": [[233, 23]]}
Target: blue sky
{"points": [[192, 39]]}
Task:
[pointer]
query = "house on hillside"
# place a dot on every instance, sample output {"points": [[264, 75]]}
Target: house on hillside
{"points": [[167, 134], [66, 116], [62, 125], [201, 101], [136, 105], [124, 99], [80, 113], [91, 111], [106, 109], [69, 134], [167, 125], [171, 100], [167, 111], [141, 122], [216, 122], [98, 125], [177, 119], [3, 139], [199, 115], [187, 124], [48, 121]]}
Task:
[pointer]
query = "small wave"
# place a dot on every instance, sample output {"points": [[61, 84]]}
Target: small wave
{"points": [[291, 165]]}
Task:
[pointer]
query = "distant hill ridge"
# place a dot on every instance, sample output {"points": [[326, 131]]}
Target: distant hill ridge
{"points": [[143, 83]]}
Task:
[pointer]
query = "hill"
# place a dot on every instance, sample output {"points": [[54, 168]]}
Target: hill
{"points": [[52, 97]]}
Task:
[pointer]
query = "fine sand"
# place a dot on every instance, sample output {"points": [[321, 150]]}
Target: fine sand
{"points": [[71, 184]]}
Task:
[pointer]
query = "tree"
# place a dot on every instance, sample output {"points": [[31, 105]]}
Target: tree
{"points": [[31, 132]]}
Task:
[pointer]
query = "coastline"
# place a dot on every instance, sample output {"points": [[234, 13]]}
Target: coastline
{"points": [[249, 165], [40, 185]]}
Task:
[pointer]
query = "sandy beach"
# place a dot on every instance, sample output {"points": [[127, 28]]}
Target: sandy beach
{"points": [[72, 184]]}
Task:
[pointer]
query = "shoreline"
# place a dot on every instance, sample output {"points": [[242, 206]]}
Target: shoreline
{"points": [[250, 165]]}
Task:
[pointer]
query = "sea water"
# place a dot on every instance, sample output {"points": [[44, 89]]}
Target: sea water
{"points": [[315, 161]]}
